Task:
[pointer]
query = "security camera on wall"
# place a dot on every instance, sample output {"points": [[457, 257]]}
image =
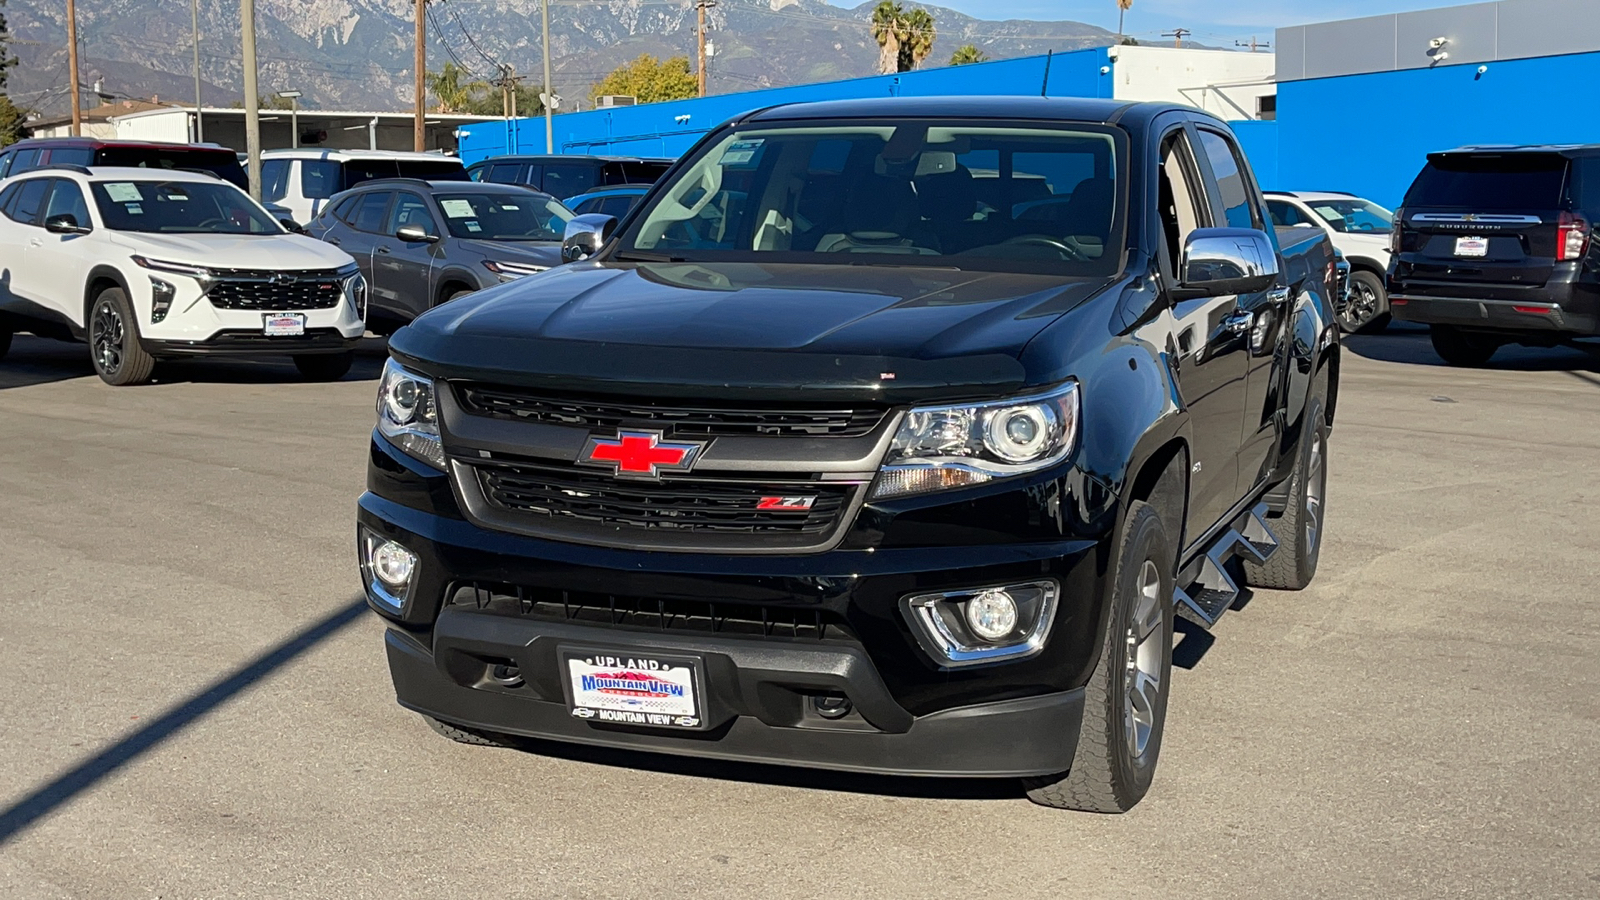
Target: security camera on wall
{"points": [[1438, 42]]}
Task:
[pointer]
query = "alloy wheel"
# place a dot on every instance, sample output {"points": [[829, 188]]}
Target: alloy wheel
{"points": [[106, 336], [1316, 483], [1360, 306], [1142, 679]]}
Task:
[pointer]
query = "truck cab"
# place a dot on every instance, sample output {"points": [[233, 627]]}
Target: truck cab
{"points": [[885, 436]]}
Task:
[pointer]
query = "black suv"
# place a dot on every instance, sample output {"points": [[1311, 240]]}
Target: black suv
{"points": [[1494, 246], [37, 153], [421, 243], [568, 176]]}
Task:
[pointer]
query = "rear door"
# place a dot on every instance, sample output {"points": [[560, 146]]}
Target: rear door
{"points": [[403, 269], [1482, 219], [24, 234], [363, 228], [1259, 320]]}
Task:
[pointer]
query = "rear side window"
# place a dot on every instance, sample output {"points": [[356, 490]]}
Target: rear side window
{"points": [[222, 163], [23, 161], [275, 179], [568, 181], [617, 207], [370, 211], [1586, 192], [1233, 191], [71, 156], [358, 170], [504, 173], [8, 195], [433, 170], [1490, 181], [1284, 213], [345, 209], [319, 179], [30, 200]]}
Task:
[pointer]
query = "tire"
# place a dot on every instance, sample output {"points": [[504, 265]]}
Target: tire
{"points": [[324, 366], [463, 735], [1299, 529], [1120, 740], [458, 294], [1462, 348], [5, 340], [1366, 310], [114, 347]]}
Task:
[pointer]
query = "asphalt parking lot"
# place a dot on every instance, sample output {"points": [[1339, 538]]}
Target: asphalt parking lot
{"points": [[196, 704]]}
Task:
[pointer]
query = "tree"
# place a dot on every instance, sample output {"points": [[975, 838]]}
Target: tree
{"points": [[650, 80], [1122, 10], [12, 118], [904, 38], [269, 101], [453, 93], [968, 53]]}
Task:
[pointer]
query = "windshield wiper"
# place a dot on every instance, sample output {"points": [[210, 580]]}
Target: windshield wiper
{"points": [[642, 256]]}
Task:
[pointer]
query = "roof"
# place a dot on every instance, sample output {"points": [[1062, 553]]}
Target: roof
{"points": [[113, 142], [572, 157], [452, 184], [1312, 195], [1071, 109], [340, 155], [124, 173], [1563, 149]]}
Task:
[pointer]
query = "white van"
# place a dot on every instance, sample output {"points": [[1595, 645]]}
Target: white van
{"points": [[301, 181]]}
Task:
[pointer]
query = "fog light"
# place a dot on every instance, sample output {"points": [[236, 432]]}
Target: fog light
{"points": [[983, 624], [393, 564], [992, 615]]}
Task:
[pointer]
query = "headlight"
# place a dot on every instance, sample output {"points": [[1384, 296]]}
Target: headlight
{"points": [[176, 268], [407, 415], [512, 270], [355, 289], [955, 446]]}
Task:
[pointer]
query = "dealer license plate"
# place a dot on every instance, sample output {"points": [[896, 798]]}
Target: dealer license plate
{"points": [[1472, 246], [283, 325], [614, 686]]}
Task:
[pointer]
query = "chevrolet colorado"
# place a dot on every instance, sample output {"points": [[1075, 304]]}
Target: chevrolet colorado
{"points": [[886, 436]]}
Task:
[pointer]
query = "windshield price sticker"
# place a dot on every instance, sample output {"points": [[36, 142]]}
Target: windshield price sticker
{"points": [[633, 690], [123, 192], [743, 154], [1472, 246], [457, 209]]}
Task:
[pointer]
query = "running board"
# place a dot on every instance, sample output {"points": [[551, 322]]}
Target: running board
{"points": [[1212, 590]]}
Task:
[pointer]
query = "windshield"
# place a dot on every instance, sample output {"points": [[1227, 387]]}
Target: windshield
{"points": [[1501, 181], [180, 207], [918, 193], [223, 163], [504, 217], [1354, 216]]}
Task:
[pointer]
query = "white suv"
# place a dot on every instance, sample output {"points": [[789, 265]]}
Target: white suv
{"points": [[1360, 230], [145, 263], [301, 181]]}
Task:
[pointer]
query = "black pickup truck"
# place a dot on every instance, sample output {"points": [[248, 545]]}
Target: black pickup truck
{"points": [[885, 436]]}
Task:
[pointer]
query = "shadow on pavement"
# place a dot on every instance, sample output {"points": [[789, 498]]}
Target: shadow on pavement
{"points": [[47, 799], [1409, 344], [35, 360]]}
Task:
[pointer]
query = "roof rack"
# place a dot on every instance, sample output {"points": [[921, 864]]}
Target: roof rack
{"points": [[68, 167], [397, 178]]}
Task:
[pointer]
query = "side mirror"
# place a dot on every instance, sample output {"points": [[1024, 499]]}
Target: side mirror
{"points": [[293, 226], [585, 235], [1220, 261], [414, 234], [65, 223]]}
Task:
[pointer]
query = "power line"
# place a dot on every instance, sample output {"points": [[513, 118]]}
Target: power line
{"points": [[468, 35], [439, 33]]}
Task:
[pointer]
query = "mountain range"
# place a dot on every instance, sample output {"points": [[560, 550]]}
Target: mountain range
{"points": [[357, 54]]}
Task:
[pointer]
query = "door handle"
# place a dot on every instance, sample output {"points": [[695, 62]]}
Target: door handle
{"points": [[35, 242], [333, 241], [1239, 322], [381, 250], [1278, 296]]}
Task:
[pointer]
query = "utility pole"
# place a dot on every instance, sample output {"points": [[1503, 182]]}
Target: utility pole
{"points": [[700, 8], [419, 136], [252, 100], [1253, 45], [549, 126], [72, 65], [194, 21], [1177, 35]]}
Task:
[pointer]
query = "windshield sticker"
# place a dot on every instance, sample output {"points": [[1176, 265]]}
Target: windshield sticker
{"points": [[134, 209], [123, 192], [457, 209], [509, 206], [743, 154], [474, 227]]}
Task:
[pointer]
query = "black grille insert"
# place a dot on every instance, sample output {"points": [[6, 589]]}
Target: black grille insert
{"points": [[564, 495], [659, 614], [269, 291], [684, 421]]}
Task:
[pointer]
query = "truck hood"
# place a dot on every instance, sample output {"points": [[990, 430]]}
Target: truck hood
{"points": [[742, 329], [236, 251]]}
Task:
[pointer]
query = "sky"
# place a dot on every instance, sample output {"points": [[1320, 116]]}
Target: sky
{"points": [[1215, 23]]}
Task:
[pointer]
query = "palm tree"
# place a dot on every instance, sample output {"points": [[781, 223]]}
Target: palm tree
{"points": [[916, 39], [968, 53], [448, 88], [887, 22], [1122, 10]]}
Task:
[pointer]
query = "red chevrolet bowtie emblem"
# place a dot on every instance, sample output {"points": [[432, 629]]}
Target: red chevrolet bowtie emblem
{"points": [[640, 454]]}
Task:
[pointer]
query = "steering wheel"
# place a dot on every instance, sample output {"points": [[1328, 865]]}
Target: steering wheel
{"points": [[214, 220], [1066, 250]]}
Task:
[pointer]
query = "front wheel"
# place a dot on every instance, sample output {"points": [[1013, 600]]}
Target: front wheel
{"points": [[1366, 309], [324, 367], [1462, 348], [114, 346], [1125, 703]]}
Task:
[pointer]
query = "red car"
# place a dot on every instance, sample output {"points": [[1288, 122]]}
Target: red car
{"points": [[31, 154]]}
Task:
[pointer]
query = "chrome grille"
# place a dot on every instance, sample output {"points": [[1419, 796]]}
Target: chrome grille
{"points": [[684, 421]]}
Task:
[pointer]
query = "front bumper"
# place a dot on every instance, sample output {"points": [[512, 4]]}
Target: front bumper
{"points": [[244, 342]]}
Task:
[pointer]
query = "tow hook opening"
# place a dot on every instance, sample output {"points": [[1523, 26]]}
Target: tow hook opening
{"points": [[831, 706], [505, 674]]}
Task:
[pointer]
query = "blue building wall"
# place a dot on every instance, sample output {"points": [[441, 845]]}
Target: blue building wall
{"points": [[659, 129], [1370, 134]]}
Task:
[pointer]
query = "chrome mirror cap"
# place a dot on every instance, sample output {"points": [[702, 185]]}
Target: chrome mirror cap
{"points": [[585, 235], [1228, 261]]}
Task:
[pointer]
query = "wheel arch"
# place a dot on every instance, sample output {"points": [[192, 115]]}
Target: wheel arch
{"points": [[101, 278], [452, 280], [1367, 264], [1162, 480]]}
